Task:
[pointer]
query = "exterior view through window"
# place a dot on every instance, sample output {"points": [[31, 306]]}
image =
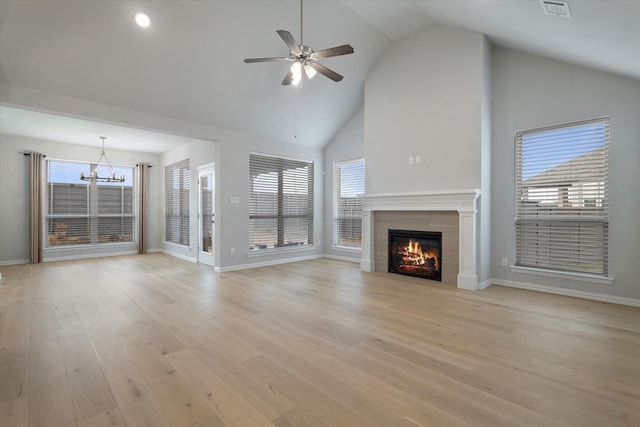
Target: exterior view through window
{"points": [[280, 202], [347, 217], [88, 212], [562, 206]]}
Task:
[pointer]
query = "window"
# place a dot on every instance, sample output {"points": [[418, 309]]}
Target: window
{"points": [[562, 207], [347, 213], [88, 212], [280, 202], [177, 183]]}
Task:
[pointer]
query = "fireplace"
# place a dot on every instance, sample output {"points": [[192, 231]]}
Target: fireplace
{"points": [[465, 272], [416, 253]]}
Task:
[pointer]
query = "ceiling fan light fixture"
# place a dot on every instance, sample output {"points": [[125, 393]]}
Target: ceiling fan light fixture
{"points": [[296, 72], [303, 57], [309, 71]]}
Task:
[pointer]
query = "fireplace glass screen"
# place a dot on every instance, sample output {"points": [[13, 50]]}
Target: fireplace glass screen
{"points": [[416, 253]]}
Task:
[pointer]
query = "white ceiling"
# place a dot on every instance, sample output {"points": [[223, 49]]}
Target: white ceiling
{"points": [[188, 64]]}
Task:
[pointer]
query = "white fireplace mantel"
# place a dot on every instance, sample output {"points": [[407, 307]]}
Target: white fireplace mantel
{"points": [[462, 201]]}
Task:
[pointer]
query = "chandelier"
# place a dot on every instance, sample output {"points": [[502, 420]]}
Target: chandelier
{"points": [[93, 176]]}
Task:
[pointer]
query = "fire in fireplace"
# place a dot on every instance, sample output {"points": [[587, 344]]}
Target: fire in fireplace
{"points": [[416, 253]]}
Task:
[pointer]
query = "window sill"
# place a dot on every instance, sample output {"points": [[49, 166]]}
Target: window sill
{"points": [[81, 246], [276, 251], [581, 277], [346, 248], [177, 245]]}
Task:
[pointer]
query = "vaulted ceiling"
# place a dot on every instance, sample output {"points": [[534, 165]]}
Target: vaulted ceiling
{"points": [[188, 64]]}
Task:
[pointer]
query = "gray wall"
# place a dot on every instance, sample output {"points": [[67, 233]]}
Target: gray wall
{"points": [[14, 193], [531, 91], [348, 144], [424, 98]]}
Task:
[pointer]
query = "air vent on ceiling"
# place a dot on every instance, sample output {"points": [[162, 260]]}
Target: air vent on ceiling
{"points": [[556, 8]]}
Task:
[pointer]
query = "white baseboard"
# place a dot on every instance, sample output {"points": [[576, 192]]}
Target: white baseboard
{"points": [[15, 262], [154, 250], [266, 263], [342, 258], [485, 284], [182, 257], [613, 299]]}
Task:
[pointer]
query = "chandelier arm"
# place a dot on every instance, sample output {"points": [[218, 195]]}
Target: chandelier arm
{"points": [[94, 176]]}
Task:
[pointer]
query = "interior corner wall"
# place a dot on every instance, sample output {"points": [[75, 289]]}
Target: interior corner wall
{"points": [[484, 203], [348, 144], [424, 98], [14, 199], [232, 176], [199, 153], [530, 91]]}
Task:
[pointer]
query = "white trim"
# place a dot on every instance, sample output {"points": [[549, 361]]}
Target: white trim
{"points": [[14, 262], [266, 263], [283, 249], [342, 258], [177, 245], [347, 249], [443, 200], [581, 277], [485, 284], [85, 256], [154, 250], [207, 166], [613, 299], [182, 257]]}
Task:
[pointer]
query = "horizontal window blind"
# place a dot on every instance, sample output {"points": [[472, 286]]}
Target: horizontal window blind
{"points": [[562, 204], [88, 212], [280, 202], [177, 184], [349, 184]]}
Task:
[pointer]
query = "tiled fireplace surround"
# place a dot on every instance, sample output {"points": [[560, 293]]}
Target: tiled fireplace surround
{"points": [[409, 206]]}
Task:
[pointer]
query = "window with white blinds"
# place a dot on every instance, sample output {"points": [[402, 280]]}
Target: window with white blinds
{"points": [[347, 214], [280, 202], [177, 184], [562, 206], [88, 212]]}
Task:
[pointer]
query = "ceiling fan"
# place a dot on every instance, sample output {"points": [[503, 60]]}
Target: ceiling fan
{"points": [[305, 58]]}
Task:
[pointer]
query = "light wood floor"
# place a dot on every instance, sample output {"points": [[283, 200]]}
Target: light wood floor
{"points": [[155, 341]]}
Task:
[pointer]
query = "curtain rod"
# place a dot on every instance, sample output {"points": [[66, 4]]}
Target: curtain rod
{"points": [[28, 153]]}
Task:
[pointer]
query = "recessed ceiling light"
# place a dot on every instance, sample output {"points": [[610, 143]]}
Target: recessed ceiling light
{"points": [[143, 20], [556, 8]]}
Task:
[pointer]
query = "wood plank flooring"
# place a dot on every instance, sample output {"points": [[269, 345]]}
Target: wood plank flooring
{"points": [[155, 341]]}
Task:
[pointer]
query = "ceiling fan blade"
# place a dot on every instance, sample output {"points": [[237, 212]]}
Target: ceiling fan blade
{"points": [[345, 49], [326, 72], [287, 37], [276, 59], [287, 79]]}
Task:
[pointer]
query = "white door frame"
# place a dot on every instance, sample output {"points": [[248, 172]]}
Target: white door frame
{"points": [[205, 257]]}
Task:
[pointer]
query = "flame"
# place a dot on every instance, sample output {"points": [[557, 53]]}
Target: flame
{"points": [[414, 255]]}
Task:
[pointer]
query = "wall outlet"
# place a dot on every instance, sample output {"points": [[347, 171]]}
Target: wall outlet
{"points": [[505, 262], [233, 251], [410, 160]]}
